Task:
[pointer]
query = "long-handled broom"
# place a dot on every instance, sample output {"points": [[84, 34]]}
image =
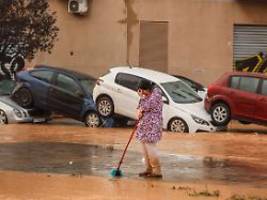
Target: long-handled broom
{"points": [[117, 172]]}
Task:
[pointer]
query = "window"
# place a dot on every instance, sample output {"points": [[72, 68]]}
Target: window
{"points": [[264, 87], [88, 85], [249, 84], [128, 81], [234, 83], [67, 83], [180, 92], [43, 75], [6, 86]]}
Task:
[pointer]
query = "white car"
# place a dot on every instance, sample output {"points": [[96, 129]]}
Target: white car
{"points": [[183, 110]]}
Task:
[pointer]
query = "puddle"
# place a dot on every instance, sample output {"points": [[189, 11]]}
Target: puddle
{"points": [[81, 159]]}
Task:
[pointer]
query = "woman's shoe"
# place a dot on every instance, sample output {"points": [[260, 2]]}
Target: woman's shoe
{"points": [[143, 174], [151, 175]]}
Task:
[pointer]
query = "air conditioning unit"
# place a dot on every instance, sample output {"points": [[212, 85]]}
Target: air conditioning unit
{"points": [[78, 6]]}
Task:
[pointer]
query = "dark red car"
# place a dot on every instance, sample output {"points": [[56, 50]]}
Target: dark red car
{"points": [[238, 95]]}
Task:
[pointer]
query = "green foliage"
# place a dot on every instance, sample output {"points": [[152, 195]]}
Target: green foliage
{"points": [[26, 27]]}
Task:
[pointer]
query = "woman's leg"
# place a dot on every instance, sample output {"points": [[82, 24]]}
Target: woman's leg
{"points": [[153, 158], [147, 161]]}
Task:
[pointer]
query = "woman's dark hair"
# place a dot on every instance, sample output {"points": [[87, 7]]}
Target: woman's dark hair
{"points": [[145, 85]]}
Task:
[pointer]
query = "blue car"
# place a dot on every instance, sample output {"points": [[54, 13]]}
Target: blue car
{"points": [[58, 90]]}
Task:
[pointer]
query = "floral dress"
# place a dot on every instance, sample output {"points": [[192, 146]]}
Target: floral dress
{"points": [[149, 129]]}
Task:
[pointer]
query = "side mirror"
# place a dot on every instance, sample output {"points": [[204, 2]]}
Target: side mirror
{"points": [[165, 100]]}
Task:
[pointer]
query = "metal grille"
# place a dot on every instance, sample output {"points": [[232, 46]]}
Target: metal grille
{"points": [[249, 40]]}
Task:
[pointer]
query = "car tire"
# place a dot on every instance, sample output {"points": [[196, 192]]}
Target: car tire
{"points": [[3, 117], [220, 114], [178, 125], [23, 97], [92, 120], [105, 106]]}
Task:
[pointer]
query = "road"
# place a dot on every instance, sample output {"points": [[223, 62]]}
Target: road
{"points": [[65, 160]]}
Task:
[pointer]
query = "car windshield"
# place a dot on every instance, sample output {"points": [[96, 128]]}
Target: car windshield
{"points": [[88, 85], [180, 92], [6, 87]]}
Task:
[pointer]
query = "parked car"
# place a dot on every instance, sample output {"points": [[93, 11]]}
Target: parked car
{"points": [[199, 88], [10, 112], [238, 95], [183, 111], [58, 90]]}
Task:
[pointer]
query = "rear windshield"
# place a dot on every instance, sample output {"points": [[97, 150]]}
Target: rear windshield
{"points": [[6, 87], [88, 84]]}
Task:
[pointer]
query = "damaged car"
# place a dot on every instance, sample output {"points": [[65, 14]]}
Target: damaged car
{"points": [[58, 90]]}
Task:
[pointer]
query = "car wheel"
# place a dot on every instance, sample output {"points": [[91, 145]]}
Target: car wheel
{"points": [[178, 125], [105, 106], [92, 120], [220, 114], [3, 117], [23, 97]]}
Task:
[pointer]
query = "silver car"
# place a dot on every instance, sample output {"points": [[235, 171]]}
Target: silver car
{"points": [[10, 112]]}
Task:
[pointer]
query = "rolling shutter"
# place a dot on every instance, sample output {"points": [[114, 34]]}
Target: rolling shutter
{"points": [[249, 40]]}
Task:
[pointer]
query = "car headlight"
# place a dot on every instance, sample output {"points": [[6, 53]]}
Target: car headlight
{"points": [[200, 121], [17, 113]]}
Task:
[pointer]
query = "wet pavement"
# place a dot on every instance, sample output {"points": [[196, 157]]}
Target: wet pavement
{"points": [[234, 157], [85, 159]]}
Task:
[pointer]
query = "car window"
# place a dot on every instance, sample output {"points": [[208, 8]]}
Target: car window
{"points": [[128, 81], [67, 84], [181, 92], [6, 87], [88, 85], [264, 87], [190, 83], [234, 83], [43, 75], [249, 84]]}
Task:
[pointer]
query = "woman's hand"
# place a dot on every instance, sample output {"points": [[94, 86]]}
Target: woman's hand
{"points": [[139, 114]]}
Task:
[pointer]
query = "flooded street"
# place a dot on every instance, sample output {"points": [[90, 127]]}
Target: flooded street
{"points": [[64, 153]]}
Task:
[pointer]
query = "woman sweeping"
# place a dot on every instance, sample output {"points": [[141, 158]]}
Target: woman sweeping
{"points": [[149, 130]]}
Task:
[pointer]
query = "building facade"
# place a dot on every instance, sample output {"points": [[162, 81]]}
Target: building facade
{"points": [[189, 37]]}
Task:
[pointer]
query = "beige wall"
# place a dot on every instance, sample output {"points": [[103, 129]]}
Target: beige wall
{"points": [[97, 39], [200, 34]]}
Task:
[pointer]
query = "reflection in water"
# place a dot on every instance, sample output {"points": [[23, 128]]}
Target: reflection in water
{"points": [[68, 158]]}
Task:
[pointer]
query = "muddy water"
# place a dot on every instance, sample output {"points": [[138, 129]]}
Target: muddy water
{"points": [[238, 156], [85, 159]]}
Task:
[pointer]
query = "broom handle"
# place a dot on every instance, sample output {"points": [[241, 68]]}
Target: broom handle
{"points": [[124, 152]]}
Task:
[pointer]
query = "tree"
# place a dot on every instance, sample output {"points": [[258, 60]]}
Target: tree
{"points": [[26, 27]]}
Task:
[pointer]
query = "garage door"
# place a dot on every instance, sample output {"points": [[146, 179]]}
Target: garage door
{"points": [[250, 48], [153, 48], [249, 40]]}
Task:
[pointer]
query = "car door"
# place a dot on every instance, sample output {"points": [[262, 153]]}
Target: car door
{"points": [[243, 95], [66, 96], [126, 98], [261, 103], [40, 86]]}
